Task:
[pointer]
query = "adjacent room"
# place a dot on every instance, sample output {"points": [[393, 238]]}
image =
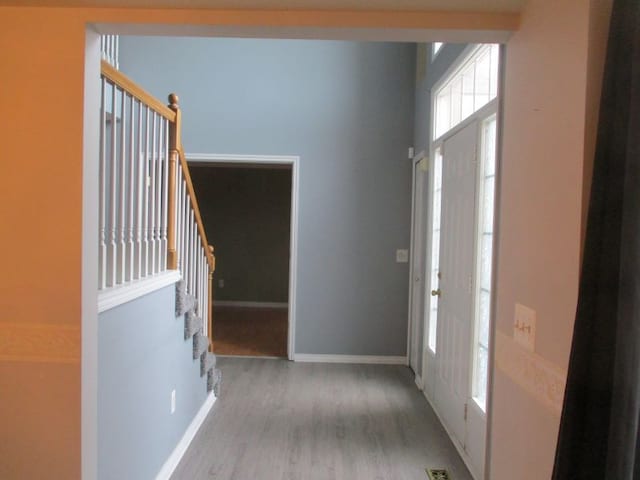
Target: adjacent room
{"points": [[246, 210]]}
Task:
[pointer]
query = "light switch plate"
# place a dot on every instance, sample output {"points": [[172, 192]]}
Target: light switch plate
{"points": [[402, 256], [524, 327]]}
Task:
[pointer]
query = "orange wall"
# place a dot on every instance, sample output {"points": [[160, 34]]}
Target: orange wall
{"points": [[548, 77], [41, 198], [42, 78]]}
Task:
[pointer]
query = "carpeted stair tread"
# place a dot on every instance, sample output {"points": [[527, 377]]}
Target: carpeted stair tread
{"points": [[192, 324], [214, 381], [200, 345], [184, 301], [207, 362]]}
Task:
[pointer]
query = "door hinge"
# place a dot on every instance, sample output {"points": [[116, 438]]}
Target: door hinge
{"points": [[465, 411]]}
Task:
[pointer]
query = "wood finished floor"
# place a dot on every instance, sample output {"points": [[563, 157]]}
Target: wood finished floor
{"points": [[259, 332], [279, 420]]}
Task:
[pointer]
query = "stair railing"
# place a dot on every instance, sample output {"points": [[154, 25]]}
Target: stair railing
{"points": [[149, 218], [188, 248]]}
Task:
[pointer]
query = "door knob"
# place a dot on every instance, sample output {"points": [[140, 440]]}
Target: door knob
{"points": [[435, 293]]}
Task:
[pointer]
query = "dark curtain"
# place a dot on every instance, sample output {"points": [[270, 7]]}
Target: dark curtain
{"points": [[599, 434]]}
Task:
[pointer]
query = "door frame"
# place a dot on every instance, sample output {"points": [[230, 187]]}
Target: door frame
{"points": [[491, 108], [495, 106], [288, 160], [417, 210]]}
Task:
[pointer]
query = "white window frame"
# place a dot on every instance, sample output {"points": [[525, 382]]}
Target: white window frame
{"points": [[468, 56], [436, 48]]}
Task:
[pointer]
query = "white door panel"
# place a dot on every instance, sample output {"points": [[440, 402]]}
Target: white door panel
{"points": [[455, 305]]}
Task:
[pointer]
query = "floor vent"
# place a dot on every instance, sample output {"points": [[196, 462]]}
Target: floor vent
{"points": [[438, 474]]}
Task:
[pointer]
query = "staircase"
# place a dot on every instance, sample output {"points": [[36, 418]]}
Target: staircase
{"points": [[149, 219], [186, 306]]}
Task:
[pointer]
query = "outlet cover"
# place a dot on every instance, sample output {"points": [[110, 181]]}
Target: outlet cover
{"points": [[402, 256], [524, 327], [221, 283]]}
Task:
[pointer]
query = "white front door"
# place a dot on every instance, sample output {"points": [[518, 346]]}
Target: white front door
{"points": [[455, 285]]}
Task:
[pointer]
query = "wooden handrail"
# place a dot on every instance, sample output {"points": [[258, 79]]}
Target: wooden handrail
{"points": [[177, 154], [196, 210], [136, 91]]}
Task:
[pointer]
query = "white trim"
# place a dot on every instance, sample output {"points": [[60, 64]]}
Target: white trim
{"points": [[461, 451], [372, 359], [251, 357], [419, 383], [294, 161], [242, 159], [174, 459], [243, 304], [113, 297], [88, 290]]}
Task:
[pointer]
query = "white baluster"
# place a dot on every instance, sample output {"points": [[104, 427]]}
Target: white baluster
{"points": [[116, 52], [122, 194], [165, 195], [102, 250], [178, 229], [203, 312], [145, 211], [152, 196], [140, 196], [206, 295], [185, 230], [192, 236], [131, 159], [187, 267], [194, 254], [112, 253], [158, 199]]}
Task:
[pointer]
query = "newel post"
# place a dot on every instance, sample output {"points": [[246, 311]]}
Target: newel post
{"points": [[212, 268], [175, 142]]}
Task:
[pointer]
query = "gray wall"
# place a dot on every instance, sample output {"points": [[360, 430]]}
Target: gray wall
{"points": [[346, 109], [142, 356], [252, 249]]}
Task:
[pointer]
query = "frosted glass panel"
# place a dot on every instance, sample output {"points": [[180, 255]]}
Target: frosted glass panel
{"points": [[435, 249], [483, 78], [480, 383], [468, 90], [485, 259], [456, 101], [483, 332], [487, 205]]}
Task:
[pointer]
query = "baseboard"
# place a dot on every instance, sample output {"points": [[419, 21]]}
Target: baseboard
{"points": [[174, 459], [234, 303], [372, 359]]}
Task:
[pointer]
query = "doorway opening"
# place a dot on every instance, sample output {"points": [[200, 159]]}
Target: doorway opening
{"points": [[452, 250], [248, 206]]}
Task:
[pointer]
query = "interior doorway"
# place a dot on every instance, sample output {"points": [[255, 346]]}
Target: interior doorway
{"points": [[249, 211]]}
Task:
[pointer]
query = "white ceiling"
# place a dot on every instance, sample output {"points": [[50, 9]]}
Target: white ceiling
{"points": [[404, 5]]}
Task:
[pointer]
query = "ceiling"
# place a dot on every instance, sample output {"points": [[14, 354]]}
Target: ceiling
{"points": [[396, 5]]}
